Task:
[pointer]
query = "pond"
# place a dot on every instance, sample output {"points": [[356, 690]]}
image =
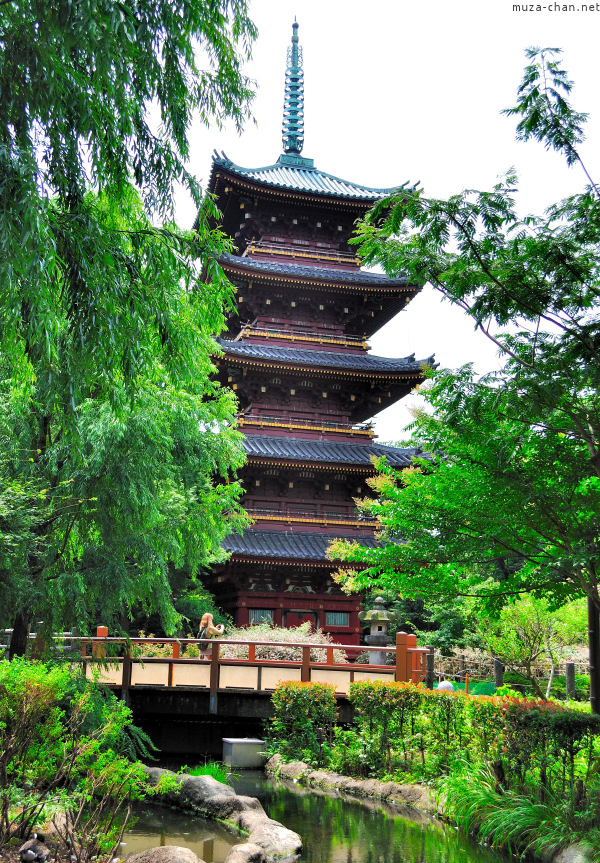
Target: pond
{"points": [[334, 829]]}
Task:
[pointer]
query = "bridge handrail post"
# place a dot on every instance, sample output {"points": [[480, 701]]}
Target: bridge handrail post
{"points": [[174, 655], [401, 645], [214, 677], [126, 674], [412, 669], [98, 651], [305, 673]]}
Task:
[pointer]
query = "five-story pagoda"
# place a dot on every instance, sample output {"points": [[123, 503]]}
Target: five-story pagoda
{"points": [[297, 357]]}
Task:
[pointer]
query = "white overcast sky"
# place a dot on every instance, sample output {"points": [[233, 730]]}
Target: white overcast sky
{"points": [[397, 91]]}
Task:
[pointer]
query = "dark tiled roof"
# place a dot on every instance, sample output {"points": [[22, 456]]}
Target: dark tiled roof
{"points": [[323, 359], [285, 544], [302, 178], [302, 449], [328, 274]]}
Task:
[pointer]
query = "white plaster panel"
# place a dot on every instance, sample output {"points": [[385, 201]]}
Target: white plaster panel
{"points": [[151, 672], [270, 677], [238, 677], [191, 675], [112, 674], [340, 679]]}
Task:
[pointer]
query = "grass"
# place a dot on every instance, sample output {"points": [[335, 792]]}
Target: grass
{"points": [[216, 769], [512, 822]]}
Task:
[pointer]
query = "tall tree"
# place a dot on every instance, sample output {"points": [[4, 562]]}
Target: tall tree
{"points": [[105, 324], [524, 442], [100, 95], [107, 495]]}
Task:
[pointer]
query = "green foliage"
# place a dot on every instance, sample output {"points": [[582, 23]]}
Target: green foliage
{"points": [[526, 630], [508, 767], [216, 769], [109, 499], [303, 720], [61, 745], [116, 446], [509, 500], [444, 624], [517, 823], [385, 712], [93, 94]]}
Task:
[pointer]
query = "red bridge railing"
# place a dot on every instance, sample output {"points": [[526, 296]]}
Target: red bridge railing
{"points": [[120, 662]]}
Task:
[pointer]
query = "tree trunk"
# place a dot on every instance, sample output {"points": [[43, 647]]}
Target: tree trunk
{"points": [[594, 654], [19, 637]]}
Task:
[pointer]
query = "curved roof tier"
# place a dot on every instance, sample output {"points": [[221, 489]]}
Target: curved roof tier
{"points": [[308, 451], [319, 359], [298, 174], [326, 275], [285, 546]]}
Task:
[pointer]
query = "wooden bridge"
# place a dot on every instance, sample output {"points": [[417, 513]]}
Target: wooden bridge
{"points": [[121, 664]]}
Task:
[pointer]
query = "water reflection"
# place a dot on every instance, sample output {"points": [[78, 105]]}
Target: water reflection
{"points": [[333, 829], [339, 829], [157, 825]]}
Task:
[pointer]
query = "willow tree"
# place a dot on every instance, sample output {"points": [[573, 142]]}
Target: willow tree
{"points": [[113, 436]]}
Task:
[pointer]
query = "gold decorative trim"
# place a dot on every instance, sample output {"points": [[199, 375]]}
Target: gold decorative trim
{"points": [[342, 287], [291, 519], [350, 342], [291, 425]]}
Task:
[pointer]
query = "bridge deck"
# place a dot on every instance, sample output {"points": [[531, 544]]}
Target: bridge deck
{"points": [[124, 664]]}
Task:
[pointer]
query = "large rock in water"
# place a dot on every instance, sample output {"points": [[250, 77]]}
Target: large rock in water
{"points": [[193, 792], [572, 854], [204, 794], [164, 854], [247, 852]]}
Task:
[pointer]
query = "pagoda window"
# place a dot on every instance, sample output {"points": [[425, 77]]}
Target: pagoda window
{"points": [[261, 615], [336, 618], [306, 383], [275, 380]]}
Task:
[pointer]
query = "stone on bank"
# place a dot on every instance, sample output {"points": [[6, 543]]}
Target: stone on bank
{"points": [[205, 795]]}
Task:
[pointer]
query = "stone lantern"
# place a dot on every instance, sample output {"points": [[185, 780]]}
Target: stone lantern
{"points": [[379, 618]]}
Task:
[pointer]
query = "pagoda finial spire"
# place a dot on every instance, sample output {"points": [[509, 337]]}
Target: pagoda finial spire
{"points": [[293, 103]]}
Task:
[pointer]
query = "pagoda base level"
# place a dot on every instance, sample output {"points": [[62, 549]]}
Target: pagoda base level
{"points": [[333, 612]]}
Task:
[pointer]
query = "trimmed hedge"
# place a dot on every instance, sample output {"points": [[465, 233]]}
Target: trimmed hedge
{"points": [[303, 721], [532, 747]]}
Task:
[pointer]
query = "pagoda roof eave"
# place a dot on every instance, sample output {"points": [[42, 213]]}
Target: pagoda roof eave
{"points": [[287, 547], [323, 362], [326, 276], [334, 454], [300, 180]]}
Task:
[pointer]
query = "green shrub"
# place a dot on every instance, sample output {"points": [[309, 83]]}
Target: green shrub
{"points": [[61, 743], [387, 715], [302, 725]]}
